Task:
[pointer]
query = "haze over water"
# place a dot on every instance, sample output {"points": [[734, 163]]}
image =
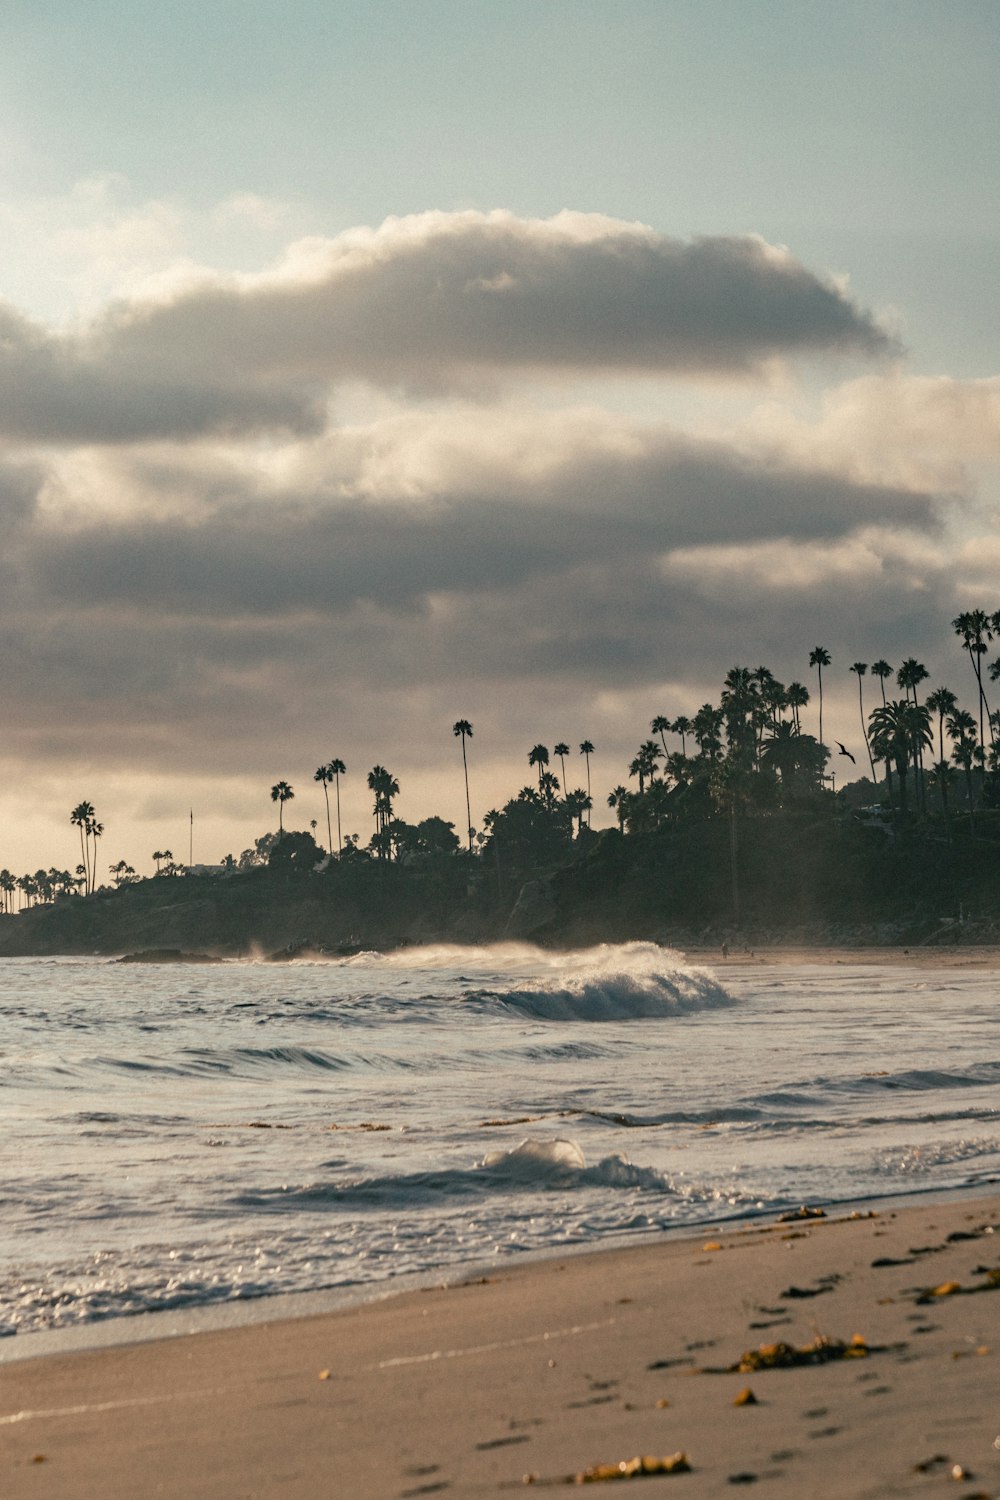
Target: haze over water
{"points": [[178, 1136]]}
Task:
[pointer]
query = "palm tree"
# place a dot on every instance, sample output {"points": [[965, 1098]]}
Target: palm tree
{"points": [[587, 750], [797, 696], [463, 728], [618, 799], [897, 729], [81, 816], [975, 628], [659, 726], [682, 726], [909, 677], [941, 702], [577, 803], [281, 793], [538, 756], [325, 775], [386, 787], [548, 785], [861, 667], [819, 658], [962, 728], [881, 669], [158, 855], [96, 831], [339, 769], [562, 751]]}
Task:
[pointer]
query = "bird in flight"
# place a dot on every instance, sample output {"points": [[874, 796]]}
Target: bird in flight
{"points": [[844, 751]]}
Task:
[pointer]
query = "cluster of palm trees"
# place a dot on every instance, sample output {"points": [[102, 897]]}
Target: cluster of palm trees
{"points": [[84, 818], [750, 750]]}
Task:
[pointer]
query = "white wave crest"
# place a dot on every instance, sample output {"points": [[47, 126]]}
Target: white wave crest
{"points": [[561, 1163]]}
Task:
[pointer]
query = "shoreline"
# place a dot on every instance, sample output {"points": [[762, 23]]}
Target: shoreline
{"points": [[161, 1324], [549, 1366]]}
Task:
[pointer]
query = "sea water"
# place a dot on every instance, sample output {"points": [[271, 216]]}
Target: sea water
{"points": [[176, 1136]]}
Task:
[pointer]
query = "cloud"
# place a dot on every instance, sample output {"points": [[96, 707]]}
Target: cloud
{"points": [[433, 302], [429, 508]]}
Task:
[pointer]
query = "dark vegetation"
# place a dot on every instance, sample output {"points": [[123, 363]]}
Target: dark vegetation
{"points": [[735, 832]]}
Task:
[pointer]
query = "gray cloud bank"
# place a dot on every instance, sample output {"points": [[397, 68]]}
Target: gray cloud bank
{"points": [[233, 628], [433, 302]]}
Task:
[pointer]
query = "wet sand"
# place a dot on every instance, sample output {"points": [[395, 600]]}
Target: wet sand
{"points": [[931, 956], [539, 1372]]}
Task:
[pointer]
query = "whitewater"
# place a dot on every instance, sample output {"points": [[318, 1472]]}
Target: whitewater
{"points": [[181, 1136]]}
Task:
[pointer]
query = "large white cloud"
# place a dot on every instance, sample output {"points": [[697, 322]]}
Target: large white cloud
{"points": [[432, 302]]}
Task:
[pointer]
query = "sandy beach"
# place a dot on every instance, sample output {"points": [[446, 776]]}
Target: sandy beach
{"points": [[929, 956], [880, 1334]]}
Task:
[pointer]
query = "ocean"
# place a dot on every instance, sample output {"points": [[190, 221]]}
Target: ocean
{"points": [[183, 1136]]}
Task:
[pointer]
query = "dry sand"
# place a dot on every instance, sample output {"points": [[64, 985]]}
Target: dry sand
{"points": [[528, 1377]]}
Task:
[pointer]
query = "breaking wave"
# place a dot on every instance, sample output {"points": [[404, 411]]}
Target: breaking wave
{"points": [[611, 982], [534, 1164]]}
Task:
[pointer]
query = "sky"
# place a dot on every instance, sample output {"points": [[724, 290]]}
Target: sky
{"points": [[364, 367]]}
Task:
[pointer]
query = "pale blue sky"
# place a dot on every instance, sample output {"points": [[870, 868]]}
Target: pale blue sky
{"points": [[863, 135]]}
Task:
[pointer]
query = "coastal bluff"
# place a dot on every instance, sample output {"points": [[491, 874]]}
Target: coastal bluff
{"points": [[807, 881]]}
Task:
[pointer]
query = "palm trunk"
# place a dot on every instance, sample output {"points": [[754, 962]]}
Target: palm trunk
{"points": [[329, 830], [468, 805], [340, 843]]}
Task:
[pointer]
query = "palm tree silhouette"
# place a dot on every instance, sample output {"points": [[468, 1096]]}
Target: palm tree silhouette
{"points": [[819, 658], [385, 786], [897, 729], [281, 793], [339, 769], [538, 756], [81, 816], [682, 726], [962, 728], [562, 751], [796, 697], [659, 726], [587, 750], [325, 775], [463, 729], [976, 628], [861, 667], [618, 799], [881, 669]]}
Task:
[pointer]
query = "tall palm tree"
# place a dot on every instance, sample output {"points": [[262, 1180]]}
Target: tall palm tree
{"points": [[909, 677], [881, 669], [325, 775], [538, 756], [975, 628], [587, 750], [819, 658], [562, 751], [281, 793], [81, 817], [659, 726], [797, 697], [96, 831], [861, 667], [682, 725], [386, 787], [463, 729], [941, 702], [339, 769]]}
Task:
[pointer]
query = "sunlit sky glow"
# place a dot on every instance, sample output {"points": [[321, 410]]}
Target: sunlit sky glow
{"points": [[365, 367]]}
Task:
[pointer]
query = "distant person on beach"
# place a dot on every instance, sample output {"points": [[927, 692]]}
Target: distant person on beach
{"points": [[725, 949]]}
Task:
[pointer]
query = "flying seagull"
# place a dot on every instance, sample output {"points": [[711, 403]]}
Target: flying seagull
{"points": [[844, 751]]}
